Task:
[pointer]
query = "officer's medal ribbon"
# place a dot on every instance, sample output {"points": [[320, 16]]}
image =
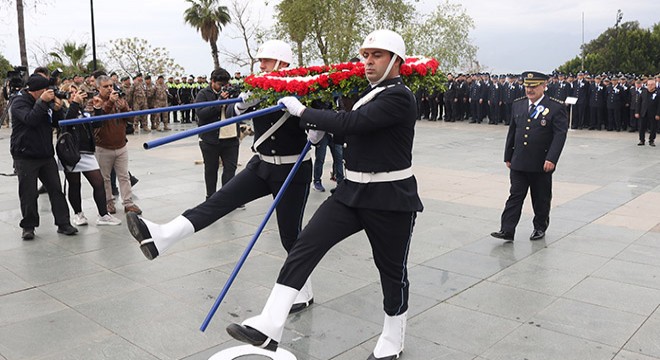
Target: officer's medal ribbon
{"points": [[537, 111]]}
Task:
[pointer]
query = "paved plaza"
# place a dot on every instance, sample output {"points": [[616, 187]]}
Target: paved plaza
{"points": [[589, 291]]}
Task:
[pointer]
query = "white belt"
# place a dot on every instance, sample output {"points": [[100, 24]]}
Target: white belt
{"points": [[364, 178], [286, 159]]}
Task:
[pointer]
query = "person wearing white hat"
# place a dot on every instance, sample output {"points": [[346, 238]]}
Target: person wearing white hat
{"points": [[278, 144], [378, 195]]}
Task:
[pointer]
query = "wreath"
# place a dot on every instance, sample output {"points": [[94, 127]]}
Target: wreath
{"points": [[326, 82]]}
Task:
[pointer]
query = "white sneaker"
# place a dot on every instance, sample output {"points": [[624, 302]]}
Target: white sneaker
{"points": [[79, 219], [107, 219]]}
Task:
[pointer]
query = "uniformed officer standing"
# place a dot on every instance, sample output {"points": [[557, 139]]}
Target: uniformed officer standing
{"points": [[475, 99], [159, 101], [278, 144], [450, 98], [379, 195], [150, 92], [185, 96], [580, 90], [533, 145], [635, 97], [173, 95], [139, 96], [509, 96], [597, 104], [614, 105], [494, 101]]}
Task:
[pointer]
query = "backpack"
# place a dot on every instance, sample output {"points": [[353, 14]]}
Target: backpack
{"points": [[67, 150]]}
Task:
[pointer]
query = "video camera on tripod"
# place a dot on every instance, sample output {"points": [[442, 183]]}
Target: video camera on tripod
{"points": [[15, 81]]}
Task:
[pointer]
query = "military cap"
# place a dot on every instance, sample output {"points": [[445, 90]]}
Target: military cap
{"points": [[533, 78], [124, 78], [493, 76], [148, 77], [606, 79], [580, 73], [137, 75], [113, 73]]}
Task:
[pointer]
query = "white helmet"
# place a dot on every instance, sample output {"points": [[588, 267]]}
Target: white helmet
{"points": [[275, 49], [386, 40]]}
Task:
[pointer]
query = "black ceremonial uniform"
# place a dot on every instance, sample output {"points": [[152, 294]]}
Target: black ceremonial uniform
{"points": [[648, 109], [597, 106], [533, 139], [614, 106], [509, 94], [494, 101], [450, 105], [581, 92], [475, 95], [262, 176], [379, 139], [461, 104], [635, 97]]}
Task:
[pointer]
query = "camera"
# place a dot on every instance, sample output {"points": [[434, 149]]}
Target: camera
{"points": [[91, 94], [53, 81], [15, 80], [116, 89], [232, 90]]}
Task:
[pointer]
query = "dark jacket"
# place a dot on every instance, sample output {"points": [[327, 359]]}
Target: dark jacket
{"points": [[597, 95], [580, 90], [379, 138], [532, 141], [82, 133], [648, 104], [211, 114], [32, 123], [289, 139], [615, 97]]}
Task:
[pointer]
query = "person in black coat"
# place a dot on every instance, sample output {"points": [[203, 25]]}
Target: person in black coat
{"points": [[220, 144], [278, 145], [580, 90], [35, 111], [534, 143], [648, 113], [614, 105], [635, 98], [379, 196], [597, 105], [449, 99]]}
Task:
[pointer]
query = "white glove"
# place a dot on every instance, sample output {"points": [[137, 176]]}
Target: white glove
{"points": [[245, 103], [315, 136], [293, 105]]}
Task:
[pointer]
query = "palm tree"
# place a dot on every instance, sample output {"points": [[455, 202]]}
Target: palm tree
{"points": [[74, 54], [208, 18]]}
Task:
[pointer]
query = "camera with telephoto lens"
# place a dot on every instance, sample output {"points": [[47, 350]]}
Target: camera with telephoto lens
{"points": [[91, 94], [118, 90], [53, 81]]}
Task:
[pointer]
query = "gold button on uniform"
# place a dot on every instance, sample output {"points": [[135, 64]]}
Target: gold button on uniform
{"points": [[527, 128], [529, 120], [526, 135], [525, 143]]}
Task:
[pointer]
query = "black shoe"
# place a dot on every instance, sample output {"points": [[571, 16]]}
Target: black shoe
{"points": [[300, 306], [115, 191], [502, 235], [141, 233], [651, 143], [640, 143], [251, 336], [28, 234], [391, 357], [134, 180], [537, 235], [67, 229]]}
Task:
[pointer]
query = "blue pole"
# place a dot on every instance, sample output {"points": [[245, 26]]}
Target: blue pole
{"points": [[238, 266], [147, 112], [208, 127]]}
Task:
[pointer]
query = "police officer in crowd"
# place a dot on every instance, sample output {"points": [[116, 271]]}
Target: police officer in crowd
{"points": [[648, 112], [580, 90], [534, 143]]}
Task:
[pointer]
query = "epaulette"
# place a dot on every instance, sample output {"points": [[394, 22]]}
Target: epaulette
{"points": [[556, 100], [520, 98]]}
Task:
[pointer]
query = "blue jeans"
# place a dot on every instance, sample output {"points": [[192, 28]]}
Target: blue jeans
{"points": [[337, 152]]}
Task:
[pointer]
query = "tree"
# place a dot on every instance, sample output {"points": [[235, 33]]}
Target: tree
{"points": [[208, 18], [331, 30], [623, 48], [5, 66], [21, 32], [134, 55], [70, 57], [443, 34], [249, 31]]}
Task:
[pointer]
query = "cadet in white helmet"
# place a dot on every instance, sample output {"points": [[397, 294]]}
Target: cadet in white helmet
{"points": [[278, 144], [378, 195]]}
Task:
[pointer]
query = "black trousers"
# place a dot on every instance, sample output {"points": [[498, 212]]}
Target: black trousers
{"points": [[449, 109], [494, 113], [508, 110], [246, 186], [28, 171], [389, 234], [598, 117], [614, 119], [540, 186], [578, 116], [227, 150], [647, 122]]}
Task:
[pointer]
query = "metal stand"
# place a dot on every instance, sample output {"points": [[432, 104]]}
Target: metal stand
{"points": [[244, 350]]}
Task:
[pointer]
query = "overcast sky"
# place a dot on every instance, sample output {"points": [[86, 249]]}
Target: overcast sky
{"points": [[512, 35]]}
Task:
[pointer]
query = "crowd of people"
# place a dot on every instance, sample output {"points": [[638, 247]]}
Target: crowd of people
{"points": [[612, 102]]}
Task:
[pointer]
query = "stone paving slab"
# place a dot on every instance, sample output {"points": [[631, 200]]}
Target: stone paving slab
{"points": [[589, 290]]}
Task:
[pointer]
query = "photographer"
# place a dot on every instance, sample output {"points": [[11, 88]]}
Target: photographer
{"points": [[217, 144], [111, 149], [35, 112], [87, 165]]}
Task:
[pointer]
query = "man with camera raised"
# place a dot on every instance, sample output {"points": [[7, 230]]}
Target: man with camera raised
{"points": [[34, 113]]}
